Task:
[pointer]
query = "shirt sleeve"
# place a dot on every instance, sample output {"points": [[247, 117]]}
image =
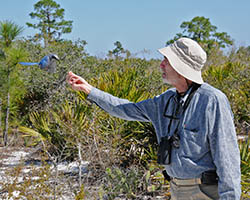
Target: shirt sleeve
{"points": [[224, 148], [122, 108]]}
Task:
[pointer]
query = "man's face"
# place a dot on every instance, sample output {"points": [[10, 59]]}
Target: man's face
{"points": [[169, 75]]}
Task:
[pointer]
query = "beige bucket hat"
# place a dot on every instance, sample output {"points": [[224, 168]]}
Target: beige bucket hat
{"points": [[187, 58]]}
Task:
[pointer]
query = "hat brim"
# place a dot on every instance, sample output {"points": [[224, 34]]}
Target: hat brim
{"points": [[181, 67]]}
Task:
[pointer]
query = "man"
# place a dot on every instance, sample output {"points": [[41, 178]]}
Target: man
{"points": [[193, 123]]}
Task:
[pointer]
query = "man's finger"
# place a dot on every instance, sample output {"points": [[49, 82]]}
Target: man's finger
{"points": [[68, 76]]}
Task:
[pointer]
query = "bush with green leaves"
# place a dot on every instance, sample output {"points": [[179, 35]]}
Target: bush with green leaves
{"points": [[43, 89], [11, 88], [233, 80], [60, 129], [135, 141], [134, 183], [245, 167]]}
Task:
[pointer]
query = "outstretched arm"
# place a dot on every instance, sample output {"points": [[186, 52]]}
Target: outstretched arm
{"points": [[115, 106]]}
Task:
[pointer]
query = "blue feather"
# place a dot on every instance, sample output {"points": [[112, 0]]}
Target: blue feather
{"points": [[28, 63]]}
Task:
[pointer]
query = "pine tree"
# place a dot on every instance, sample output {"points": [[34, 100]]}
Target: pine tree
{"points": [[51, 23]]}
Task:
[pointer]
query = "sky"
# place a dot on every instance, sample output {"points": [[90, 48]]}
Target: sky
{"points": [[142, 26]]}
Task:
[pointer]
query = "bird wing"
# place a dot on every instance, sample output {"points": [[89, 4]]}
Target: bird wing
{"points": [[28, 63], [44, 62], [52, 67]]}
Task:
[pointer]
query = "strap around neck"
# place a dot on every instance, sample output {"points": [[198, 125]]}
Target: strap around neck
{"points": [[194, 86]]}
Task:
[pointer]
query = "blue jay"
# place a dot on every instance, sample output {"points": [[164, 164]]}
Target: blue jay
{"points": [[47, 63]]}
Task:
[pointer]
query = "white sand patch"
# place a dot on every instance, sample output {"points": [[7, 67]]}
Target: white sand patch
{"points": [[14, 158], [72, 167]]}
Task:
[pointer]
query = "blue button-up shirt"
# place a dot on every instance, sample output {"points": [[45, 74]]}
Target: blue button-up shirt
{"points": [[207, 133]]}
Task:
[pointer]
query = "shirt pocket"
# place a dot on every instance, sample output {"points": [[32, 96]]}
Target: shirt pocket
{"points": [[192, 123], [193, 143]]}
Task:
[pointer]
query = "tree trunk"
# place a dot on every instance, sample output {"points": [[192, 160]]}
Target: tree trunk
{"points": [[0, 115], [80, 165], [5, 133]]}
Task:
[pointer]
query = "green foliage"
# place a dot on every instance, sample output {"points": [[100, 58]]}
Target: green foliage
{"points": [[81, 194], [51, 21], [242, 55], [114, 82], [135, 141], [245, 167], [60, 129], [245, 157], [122, 182], [201, 30], [8, 33], [133, 182], [233, 80], [9, 59], [118, 51], [44, 90], [41, 131], [216, 57], [2, 55]]}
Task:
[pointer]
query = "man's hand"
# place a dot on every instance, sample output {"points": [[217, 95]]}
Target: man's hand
{"points": [[78, 83]]}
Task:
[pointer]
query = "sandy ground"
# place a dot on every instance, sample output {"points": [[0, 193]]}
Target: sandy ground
{"points": [[29, 161], [28, 158]]}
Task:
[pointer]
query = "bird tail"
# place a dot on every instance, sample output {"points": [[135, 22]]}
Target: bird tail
{"points": [[28, 63]]}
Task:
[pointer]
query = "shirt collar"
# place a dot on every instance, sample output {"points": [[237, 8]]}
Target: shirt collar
{"points": [[182, 98]]}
